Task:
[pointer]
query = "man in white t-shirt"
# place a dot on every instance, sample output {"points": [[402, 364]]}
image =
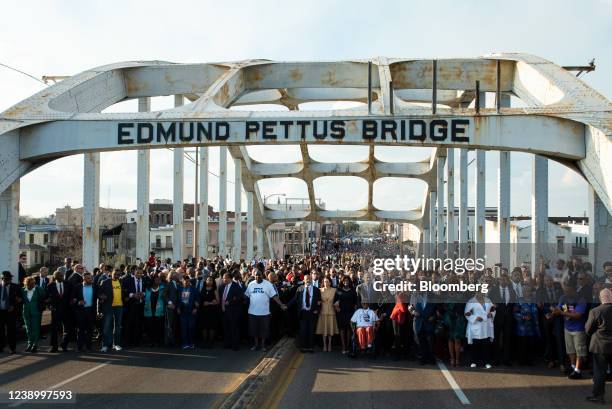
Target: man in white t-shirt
{"points": [[364, 321], [259, 292]]}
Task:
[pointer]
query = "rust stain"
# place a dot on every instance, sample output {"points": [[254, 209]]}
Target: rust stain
{"points": [[296, 74], [15, 111], [329, 78], [254, 74], [134, 87], [169, 79]]}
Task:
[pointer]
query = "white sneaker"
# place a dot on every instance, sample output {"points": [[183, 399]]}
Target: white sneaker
{"points": [[104, 349], [117, 348], [488, 366], [473, 366]]}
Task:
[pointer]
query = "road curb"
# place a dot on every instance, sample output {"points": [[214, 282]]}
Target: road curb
{"points": [[260, 382]]}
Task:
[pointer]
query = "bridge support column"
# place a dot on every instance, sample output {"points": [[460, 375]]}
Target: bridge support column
{"points": [[237, 208], [269, 242], [480, 208], [600, 233], [424, 243], [433, 225], [222, 201], [177, 196], [9, 230], [249, 229], [203, 205], [503, 209], [450, 203], [143, 239], [440, 210], [91, 210], [539, 211], [463, 199], [260, 242]]}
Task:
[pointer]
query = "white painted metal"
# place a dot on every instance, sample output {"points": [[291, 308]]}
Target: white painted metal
{"points": [[600, 233], [222, 232], [463, 201], [539, 211], [563, 119], [440, 211], [237, 209], [142, 192], [479, 219], [260, 242], [177, 196], [203, 211], [503, 209], [450, 202], [91, 210], [433, 223], [249, 229], [9, 229]]}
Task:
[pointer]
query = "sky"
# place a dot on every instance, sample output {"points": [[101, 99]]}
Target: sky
{"points": [[55, 37]]}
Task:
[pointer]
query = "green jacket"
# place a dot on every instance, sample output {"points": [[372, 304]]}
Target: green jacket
{"points": [[37, 303]]}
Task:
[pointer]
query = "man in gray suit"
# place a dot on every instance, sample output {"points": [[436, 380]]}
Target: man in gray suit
{"points": [[599, 327]]}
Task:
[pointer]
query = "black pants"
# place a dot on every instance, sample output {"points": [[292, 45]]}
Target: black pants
{"points": [[155, 329], [503, 334], [307, 329], [231, 328], [57, 328], [526, 348], [426, 348], [135, 320], [601, 362], [86, 319], [481, 351], [8, 329]]}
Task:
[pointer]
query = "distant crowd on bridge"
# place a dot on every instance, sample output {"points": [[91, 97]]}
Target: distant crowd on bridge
{"points": [[524, 318]]}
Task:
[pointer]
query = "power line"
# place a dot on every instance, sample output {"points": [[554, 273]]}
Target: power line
{"points": [[23, 72], [193, 161]]}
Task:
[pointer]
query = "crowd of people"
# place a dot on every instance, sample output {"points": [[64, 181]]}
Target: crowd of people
{"points": [[524, 317]]}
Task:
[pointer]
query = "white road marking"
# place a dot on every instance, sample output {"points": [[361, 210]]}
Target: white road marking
{"points": [[58, 385], [453, 384]]}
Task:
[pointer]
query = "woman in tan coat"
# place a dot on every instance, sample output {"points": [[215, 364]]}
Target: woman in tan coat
{"points": [[327, 325]]}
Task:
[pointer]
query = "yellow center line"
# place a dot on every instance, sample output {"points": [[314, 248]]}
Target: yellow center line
{"points": [[286, 378]]}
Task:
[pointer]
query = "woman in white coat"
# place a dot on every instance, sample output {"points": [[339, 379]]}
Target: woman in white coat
{"points": [[480, 312]]}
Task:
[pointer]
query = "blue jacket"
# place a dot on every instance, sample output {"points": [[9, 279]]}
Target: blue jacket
{"points": [[160, 307], [188, 305]]}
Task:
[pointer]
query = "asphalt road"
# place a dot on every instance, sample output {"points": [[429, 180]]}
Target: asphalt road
{"points": [[138, 378], [331, 380]]}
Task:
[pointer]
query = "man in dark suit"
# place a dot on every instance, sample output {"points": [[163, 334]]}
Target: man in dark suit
{"points": [[85, 300], [21, 265], [10, 298], [58, 296], [424, 326], [308, 301], [504, 298], [547, 297], [135, 289], [232, 300], [171, 304], [599, 327]]}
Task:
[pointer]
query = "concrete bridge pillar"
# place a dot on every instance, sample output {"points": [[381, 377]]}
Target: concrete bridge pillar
{"points": [[480, 208], [600, 233], [440, 210], [450, 202], [463, 199], [249, 230]]}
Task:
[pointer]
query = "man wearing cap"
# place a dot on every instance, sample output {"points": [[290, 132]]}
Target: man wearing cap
{"points": [[10, 297]]}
